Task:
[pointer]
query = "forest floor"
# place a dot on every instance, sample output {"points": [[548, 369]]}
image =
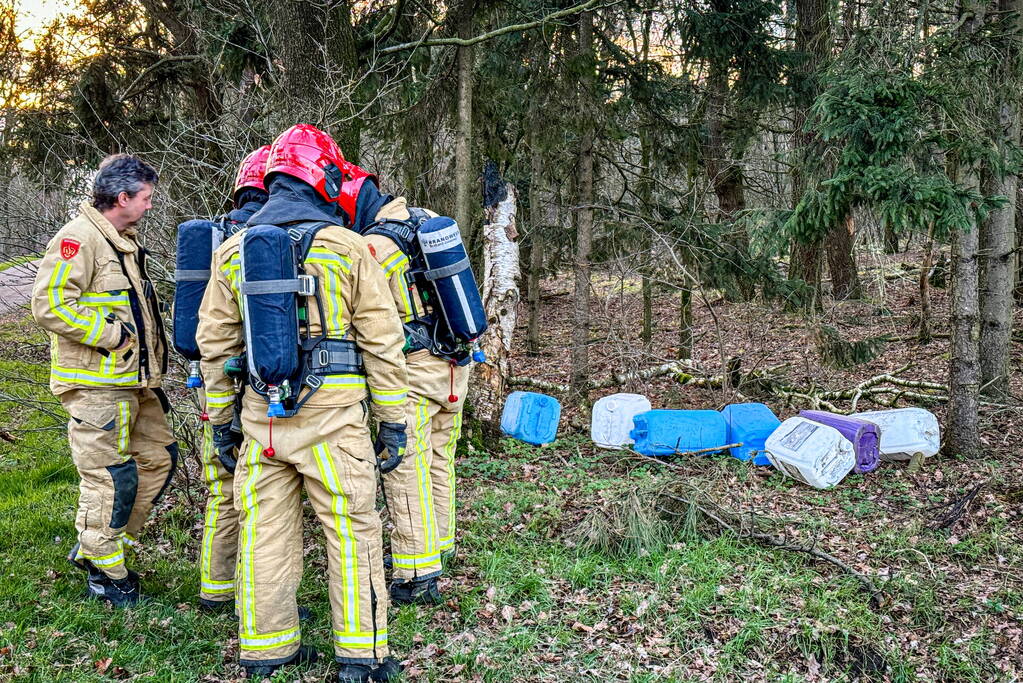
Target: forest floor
{"points": [[581, 564]]}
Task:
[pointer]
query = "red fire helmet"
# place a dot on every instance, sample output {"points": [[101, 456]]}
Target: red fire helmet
{"points": [[307, 153], [354, 179], [251, 170]]}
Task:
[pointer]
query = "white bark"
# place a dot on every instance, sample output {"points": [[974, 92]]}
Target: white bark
{"points": [[500, 300]]}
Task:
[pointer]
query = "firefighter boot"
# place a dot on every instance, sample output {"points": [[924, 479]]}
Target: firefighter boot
{"points": [[388, 669], [360, 673], [304, 655], [123, 592], [416, 592]]}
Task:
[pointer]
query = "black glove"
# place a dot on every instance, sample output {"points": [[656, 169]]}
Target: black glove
{"points": [[225, 441], [390, 437]]}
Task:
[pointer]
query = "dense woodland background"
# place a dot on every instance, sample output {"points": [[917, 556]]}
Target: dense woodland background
{"points": [[734, 148], [810, 203]]}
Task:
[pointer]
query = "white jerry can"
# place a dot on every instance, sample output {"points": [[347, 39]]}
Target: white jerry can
{"points": [[905, 432], [811, 452], [612, 419]]}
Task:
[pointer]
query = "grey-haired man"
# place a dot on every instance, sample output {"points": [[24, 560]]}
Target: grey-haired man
{"points": [[108, 353]]}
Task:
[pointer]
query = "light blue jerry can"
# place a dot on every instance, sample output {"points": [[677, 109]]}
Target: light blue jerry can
{"points": [[531, 417], [750, 424], [665, 432]]}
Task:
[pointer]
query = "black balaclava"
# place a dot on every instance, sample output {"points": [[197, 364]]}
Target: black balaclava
{"points": [[369, 203], [248, 201], [292, 200]]}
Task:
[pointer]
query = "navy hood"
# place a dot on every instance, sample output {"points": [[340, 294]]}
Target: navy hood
{"points": [[368, 205], [292, 201], [249, 201]]}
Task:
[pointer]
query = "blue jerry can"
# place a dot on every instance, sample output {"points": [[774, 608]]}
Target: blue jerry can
{"points": [[531, 417], [665, 432], [750, 424]]}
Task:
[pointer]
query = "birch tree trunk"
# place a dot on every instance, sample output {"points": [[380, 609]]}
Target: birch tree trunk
{"points": [[500, 300]]}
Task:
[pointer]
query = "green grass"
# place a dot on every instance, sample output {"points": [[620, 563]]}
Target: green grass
{"points": [[527, 600], [18, 260]]}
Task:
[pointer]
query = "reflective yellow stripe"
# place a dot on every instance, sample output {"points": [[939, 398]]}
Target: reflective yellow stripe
{"points": [[324, 256], [345, 535], [268, 641], [360, 640], [423, 477], [388, 397], [219, 399], [111, 560], [87, 377], [213, 503], [394, 262], [88, 321], [344, 381], [105, 299], [250, 511], [450, 448], [423, 561], [124, 427]]}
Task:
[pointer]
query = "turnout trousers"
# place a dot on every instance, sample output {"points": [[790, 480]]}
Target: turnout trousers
{"points": [[421, 491], [218, 555], [125, 454], [327, 449]]}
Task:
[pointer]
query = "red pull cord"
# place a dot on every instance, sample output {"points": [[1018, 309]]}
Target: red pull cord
{"points": [[451, 382], [269, 451]]}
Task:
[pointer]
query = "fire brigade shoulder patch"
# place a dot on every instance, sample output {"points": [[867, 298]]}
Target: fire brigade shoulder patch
{"points": [[372, 251], [69, 247]]}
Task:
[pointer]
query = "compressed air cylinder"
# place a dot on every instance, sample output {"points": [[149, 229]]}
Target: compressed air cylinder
{"points": [[270, 318], [447, 267]]}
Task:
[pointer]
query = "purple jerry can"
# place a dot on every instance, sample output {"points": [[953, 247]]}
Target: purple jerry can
{"points": [[864, 436]]}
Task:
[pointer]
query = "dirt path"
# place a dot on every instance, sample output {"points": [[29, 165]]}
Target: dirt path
{"points": [[16, 286]]}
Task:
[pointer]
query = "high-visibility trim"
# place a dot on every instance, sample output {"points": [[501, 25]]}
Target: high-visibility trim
{"points": [[344, 382], [118, 298], [422, 561], [268, 641], [324, 256], [87, 377], [396, 265], [392, 263], [231, 270], [388, 397], [217, 587], [360, 640], [219, 399], [345, 535], [212, 517], [123, 428], [111, 560], [333, 302], [128, 539], [250, 510], [450, 448], [423, 477], [55, 295]]}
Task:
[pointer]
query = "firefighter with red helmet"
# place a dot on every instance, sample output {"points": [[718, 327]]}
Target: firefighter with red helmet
{"points": [[324, 446], [218, 555], [421, 491]]}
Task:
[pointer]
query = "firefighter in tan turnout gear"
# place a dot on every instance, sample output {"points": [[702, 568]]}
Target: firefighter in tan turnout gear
{"points": [[218, 554], [318, 437], [93, 295], [421, 491]]}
